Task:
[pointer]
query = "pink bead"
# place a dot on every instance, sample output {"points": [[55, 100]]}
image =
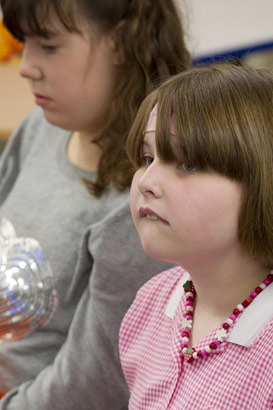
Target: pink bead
{"points": [[204, 353], [189, 317], [232, 316], [267, 282], [216, 341], [254, 294], [189, 303]]}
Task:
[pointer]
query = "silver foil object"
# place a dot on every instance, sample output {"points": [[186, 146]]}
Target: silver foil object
{"points": [[7, 231], [28, 298]]}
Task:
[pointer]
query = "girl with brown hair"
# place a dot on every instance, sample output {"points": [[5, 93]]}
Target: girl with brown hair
{"points": [[200, 336]]}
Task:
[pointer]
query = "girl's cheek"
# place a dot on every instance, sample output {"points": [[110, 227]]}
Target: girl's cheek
{"points": [[135, 183], [133, 193]]}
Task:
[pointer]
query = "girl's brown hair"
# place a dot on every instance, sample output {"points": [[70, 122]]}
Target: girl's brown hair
{"points": [[153, 44], [224, 122]]}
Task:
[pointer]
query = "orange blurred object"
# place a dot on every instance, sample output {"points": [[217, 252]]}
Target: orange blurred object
{"points": [[9, 46], [1, 394]]}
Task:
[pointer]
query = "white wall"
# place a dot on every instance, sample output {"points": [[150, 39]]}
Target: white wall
{"points": [[216, 26]]}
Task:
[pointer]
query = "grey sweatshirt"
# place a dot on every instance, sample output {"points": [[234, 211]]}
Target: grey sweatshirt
{"points": [[98, 264]]}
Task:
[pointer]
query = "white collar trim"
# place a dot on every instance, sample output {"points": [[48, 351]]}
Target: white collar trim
{"points": [[248, 326], [176, 296]]}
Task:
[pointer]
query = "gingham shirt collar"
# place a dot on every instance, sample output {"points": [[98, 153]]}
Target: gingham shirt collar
{"points": [[248, 325]]}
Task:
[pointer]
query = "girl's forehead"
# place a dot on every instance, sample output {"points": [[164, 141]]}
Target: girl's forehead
{"points": [[41, 24], [47, 18], [151, 123]]}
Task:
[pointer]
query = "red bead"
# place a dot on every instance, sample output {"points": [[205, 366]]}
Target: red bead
{"points": [[270, 277], [213, 346], [225, 326], [199, 354], [188, 357], [190, 313], [247, 301], [190, 299], [258, 290], [236, 312], [185, 333]]}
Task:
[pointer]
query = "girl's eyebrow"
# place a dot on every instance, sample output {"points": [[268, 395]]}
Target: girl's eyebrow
{"points": [[145, 143], [53, 34], [145, 132], [48, 34]]}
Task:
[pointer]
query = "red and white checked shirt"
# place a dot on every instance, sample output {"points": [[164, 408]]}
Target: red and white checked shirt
{"points": [[236, 376]]}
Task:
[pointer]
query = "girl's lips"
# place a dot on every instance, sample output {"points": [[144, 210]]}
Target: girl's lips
{"points": [[41, 100], [151, 215]]}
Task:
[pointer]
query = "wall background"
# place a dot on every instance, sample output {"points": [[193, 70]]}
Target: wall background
{"points": [[216, 26]]}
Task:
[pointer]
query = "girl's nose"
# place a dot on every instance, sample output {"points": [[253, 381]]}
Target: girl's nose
{"points": [[150, 181], [29, 68]]}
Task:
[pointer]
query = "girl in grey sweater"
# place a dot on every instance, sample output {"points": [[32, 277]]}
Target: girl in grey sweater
{"points": [[64, 181]]}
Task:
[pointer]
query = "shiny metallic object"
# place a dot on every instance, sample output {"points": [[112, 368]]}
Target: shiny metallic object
{"points": [[28, 298]]}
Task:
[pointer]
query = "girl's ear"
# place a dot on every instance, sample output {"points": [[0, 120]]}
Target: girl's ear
{"points": [[117, 44]]}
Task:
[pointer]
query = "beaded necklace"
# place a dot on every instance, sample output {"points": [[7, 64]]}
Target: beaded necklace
{"points": [[189, 353]]}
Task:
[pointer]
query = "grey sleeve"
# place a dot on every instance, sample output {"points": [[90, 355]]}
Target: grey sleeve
{"points": [[86, 373], [9, 166], [17, 148]]}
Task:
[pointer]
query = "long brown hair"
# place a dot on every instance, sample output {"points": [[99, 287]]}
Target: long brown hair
{"points": [[224, 122], [152, 40]]}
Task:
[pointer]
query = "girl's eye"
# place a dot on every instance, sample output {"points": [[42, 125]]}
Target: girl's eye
{"points": [[188, 167], [49, 48], [147, 160]]}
